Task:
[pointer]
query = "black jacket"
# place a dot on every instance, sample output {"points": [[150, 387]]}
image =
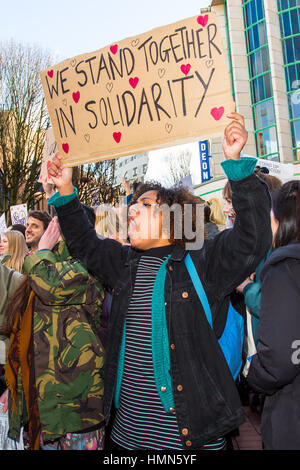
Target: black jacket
{"points": [[212, 230], [275, 369], [206, 400]]}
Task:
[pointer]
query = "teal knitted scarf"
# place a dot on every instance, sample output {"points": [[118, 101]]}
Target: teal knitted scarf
{"points": [[160, 345]]}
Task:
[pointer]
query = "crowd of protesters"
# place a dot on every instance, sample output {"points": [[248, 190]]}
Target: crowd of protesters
{"points": [[104, 343]]}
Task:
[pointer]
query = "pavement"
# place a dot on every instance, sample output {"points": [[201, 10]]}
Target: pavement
{"points": [[249, 435]]}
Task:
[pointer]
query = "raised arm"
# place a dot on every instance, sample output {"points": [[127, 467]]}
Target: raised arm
{"points": [[235, 253], [56, 277], [103, 257]]}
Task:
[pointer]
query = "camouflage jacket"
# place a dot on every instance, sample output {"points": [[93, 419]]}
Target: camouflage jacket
{"points": [[68, 353]]}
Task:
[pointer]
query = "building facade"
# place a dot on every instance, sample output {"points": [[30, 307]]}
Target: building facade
{"points": [[131, 168], [262, 42]]}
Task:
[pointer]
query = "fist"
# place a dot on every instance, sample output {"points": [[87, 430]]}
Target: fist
{"points": [[235, 136], [60, 175]]}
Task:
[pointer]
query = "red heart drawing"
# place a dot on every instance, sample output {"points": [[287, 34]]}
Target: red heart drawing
{"points": [[117, 136], [50, 73], [217, 113], [76, 96], [134, 81], [202, 20], [65, 148], [114, 48], [185, 68]]}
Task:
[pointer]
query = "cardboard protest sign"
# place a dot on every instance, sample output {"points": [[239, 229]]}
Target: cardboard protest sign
{"points": [[161, 88], [49, 151], [18, 214]]}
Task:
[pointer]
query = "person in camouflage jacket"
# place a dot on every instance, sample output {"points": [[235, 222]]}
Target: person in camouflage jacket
{"points": [[68, 356]]}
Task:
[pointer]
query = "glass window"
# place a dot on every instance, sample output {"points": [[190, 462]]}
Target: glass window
{"points": [[284, 4], [268, 88], [297, 47], [260, 143], [286, 73], [255, 36], [257, 89], [264, 114], [260, 10], [292, 77], [261, 91], [295, 21], [261, 60], [258, 62], [286, 24], [248, 14], [267, 141], [296, 133], [265, 59], [262, 33], [289, 55], [253, 69], [271, 140], [294, 103], [296, 154], [251, 40], [261, 88], [253, 11], [254, 91]]}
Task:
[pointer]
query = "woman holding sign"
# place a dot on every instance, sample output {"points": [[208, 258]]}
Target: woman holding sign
{"points": [[165, 371]]}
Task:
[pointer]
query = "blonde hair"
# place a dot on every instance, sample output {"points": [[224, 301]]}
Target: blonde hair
{"points": [[17, 249], [107, 221], [216, 211]]}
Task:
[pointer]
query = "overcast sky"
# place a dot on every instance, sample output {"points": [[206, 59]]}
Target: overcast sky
{"points": [[71, 27]]}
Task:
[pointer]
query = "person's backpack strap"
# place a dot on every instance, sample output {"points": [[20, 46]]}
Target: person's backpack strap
{"points": [[231, 340], [199, 287]]}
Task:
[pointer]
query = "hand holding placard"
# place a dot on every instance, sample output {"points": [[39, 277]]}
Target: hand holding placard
{"points": [[61, 176], [165, 87], [235, 137]]}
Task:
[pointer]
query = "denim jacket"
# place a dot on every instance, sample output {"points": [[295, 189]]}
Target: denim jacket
{"points": [[206, 400]]}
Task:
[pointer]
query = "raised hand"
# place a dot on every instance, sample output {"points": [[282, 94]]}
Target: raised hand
{"points": [[235, 136], [51, 236], [61, 176]]}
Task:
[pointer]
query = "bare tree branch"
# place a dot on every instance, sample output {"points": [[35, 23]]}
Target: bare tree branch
{"points": [[23, 121]]}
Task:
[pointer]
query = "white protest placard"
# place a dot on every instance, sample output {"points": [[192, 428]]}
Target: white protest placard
{"points": [[162, 88], [49, 151], [3, 227], [187, 182], [283, 171], [18, 214]]}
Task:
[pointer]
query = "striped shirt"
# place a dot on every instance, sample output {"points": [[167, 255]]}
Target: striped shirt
{"points": [[141, 421]]}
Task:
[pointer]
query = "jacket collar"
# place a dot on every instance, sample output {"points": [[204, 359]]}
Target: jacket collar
{"points": [[178, 253], [292, 250]]}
